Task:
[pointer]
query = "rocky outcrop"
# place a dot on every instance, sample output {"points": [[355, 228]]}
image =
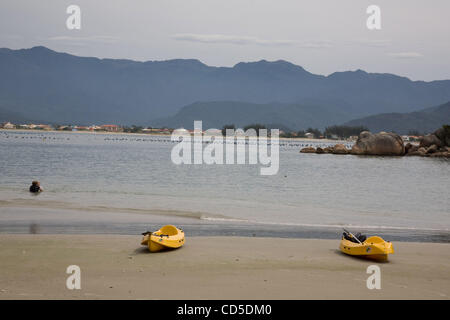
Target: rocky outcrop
{"points": [[432, 151], [432, 145], [391, 144], [380, 144]]}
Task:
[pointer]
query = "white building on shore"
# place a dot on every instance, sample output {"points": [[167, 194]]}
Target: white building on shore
{"points": [[8, 125]]}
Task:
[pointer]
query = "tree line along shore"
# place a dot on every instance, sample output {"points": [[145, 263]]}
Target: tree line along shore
{"points": [[337, 132]]}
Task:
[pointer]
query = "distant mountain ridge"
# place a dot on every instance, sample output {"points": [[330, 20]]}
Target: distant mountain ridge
{"points": [[216, 114], [423, 121], [39, 83]]}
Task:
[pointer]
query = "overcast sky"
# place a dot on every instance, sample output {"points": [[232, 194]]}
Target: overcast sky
{"points": [[323, 36]]}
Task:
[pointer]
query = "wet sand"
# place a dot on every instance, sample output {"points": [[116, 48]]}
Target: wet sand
{"points": [[117, 267]]}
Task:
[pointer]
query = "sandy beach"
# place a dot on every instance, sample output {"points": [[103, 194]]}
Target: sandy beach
{"points": [[117, 267]]}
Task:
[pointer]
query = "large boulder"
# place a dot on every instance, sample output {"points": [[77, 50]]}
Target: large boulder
{"points": [[328, 150], [432, 149], [429, 140], [410, 148], [308, 150], [440, 133], [340, 149], [443, 134], [417, 152], [319, 150], [422, 151], [381, 144]]}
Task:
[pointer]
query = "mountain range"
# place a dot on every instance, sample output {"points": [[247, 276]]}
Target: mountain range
{"points": [[41, 84], [423, 121], [289, 116]]}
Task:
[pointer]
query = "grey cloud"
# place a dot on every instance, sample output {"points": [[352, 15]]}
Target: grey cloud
{"points": [[246, 40], [79, 40], [11, 36], [370, 42], [405, 55]]}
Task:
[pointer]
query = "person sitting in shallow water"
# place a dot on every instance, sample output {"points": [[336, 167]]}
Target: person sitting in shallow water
{"points": [[35, 187]]}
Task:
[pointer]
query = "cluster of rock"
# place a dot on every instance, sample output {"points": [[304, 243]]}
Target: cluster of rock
{"points": [[336, 149], [391, 144], [436, 144]]}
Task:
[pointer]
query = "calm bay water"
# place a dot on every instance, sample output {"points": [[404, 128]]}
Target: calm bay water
{"points": [[134, 176]]}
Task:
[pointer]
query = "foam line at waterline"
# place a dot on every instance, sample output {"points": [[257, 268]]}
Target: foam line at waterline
{"points": [[222, 219], [340, 226], [60, 205]]}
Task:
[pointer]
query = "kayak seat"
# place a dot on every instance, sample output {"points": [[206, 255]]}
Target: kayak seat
{"points": [[359, 236]]}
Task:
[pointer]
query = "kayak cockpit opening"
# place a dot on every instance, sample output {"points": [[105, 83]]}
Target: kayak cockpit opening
{"points": [[357, 238]]}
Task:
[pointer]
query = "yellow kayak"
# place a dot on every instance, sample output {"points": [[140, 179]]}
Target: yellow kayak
{"points": [[373, 247], [168, 237]]}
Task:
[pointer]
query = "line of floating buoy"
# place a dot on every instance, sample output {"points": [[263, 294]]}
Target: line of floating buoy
{"points": [[53, 137]]}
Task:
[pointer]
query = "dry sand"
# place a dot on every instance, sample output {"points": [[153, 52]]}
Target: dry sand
{"points": [[117, 267]]}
